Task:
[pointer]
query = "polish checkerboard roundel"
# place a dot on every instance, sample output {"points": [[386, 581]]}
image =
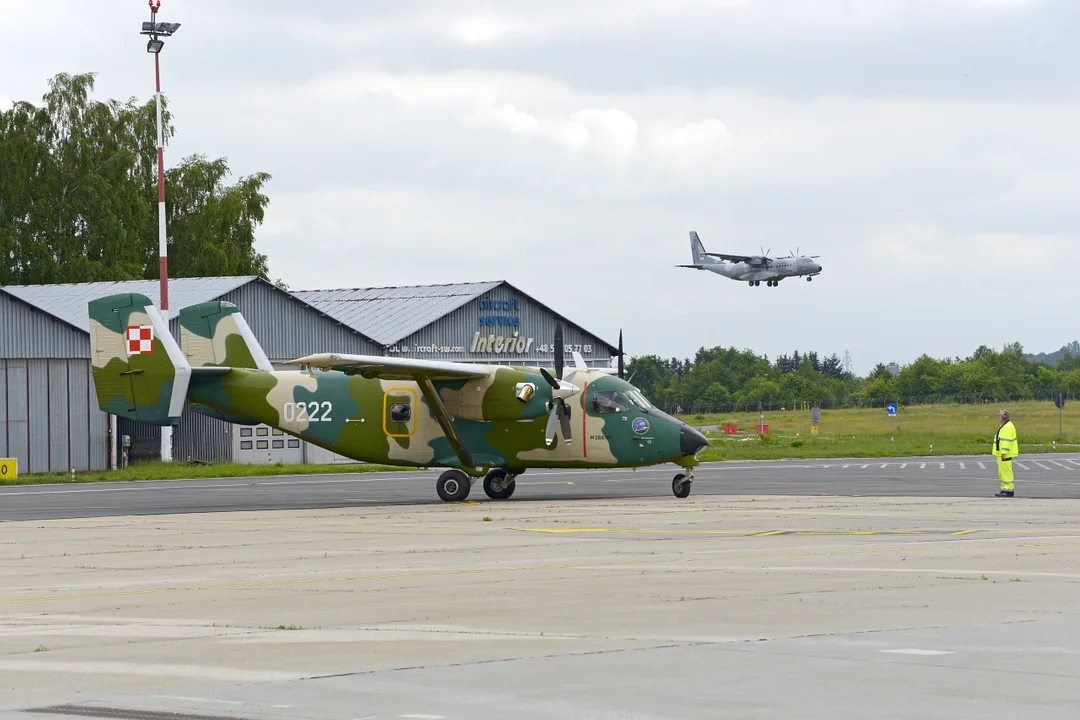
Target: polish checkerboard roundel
{"points": [[140, 339]]}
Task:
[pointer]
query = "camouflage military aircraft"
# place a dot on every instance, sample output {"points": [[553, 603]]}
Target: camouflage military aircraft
{"points": [[490, 421]]}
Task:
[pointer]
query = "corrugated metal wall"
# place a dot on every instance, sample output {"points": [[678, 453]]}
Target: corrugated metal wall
{"points": [[48, 418], [452, 337], [26, 332], [287, 328]]}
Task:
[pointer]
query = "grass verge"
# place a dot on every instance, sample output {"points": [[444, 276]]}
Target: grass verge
{"points": [[870, 432], [184, 471]]}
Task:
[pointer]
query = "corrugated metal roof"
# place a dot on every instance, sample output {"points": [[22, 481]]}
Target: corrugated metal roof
{"points": [[69, 301], [388, 314]]}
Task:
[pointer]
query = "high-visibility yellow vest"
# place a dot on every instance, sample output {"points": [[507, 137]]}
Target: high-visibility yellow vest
{"points": [[1005, 442]]}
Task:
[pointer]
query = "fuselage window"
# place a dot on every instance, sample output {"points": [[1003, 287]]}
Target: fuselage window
{"points": [[400, 413]]}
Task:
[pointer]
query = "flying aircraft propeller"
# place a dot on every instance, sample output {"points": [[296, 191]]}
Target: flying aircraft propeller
{"points": [[561, 390]]}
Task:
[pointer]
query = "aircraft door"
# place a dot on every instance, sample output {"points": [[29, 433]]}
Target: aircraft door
{"points": [[400, 406]]}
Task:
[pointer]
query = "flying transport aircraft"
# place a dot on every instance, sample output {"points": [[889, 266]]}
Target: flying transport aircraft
{"points": [[489, 421], [752, 269]]}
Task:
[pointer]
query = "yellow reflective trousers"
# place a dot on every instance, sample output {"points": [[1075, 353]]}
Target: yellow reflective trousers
{"points": [[1005, 473]]}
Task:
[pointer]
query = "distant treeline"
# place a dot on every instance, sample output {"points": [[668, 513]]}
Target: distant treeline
{"points": [[730, 380]]}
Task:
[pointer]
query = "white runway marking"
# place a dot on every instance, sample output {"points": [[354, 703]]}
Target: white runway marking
{"points": [[982, 466], [185, 698], [917, 651], [200, 672]]}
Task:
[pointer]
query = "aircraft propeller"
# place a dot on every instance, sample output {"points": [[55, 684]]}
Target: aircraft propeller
{"points": [[621, 367], [561, 390]]}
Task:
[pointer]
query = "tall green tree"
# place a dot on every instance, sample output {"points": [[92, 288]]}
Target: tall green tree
{"points": [[78, 195]]}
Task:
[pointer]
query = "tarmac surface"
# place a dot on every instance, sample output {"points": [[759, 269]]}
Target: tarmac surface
{"points": [[1038, 476], [777, 590]]}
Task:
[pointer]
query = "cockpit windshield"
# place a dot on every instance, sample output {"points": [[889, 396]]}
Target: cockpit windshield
{"points": [[616, 401]]}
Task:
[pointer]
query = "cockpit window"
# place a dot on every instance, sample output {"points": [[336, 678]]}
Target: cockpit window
{"points": [[618, 401], [609, 401]]}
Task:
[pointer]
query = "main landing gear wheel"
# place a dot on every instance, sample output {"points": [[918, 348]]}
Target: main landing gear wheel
{"points": [[453, 486], [680, 485], [499, 485]]}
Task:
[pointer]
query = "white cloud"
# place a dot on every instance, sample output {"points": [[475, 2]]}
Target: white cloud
{"points": [[612, 131], [696, 143], [481, 30]]}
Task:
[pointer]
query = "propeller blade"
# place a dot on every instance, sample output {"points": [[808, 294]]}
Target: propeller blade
{"points": [[559, 351], [564, 419], [551, 381], [553, 419], [621, 366]]}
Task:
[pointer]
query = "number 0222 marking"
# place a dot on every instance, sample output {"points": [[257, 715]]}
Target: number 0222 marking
{"points": [[312, 411]]}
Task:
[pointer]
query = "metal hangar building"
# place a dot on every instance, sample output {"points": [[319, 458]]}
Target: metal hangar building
{"points": [[50, 421]]}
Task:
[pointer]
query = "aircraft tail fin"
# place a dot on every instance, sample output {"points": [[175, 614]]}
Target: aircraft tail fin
{"points": [[697, 250], [138, 369], [215, 334]]}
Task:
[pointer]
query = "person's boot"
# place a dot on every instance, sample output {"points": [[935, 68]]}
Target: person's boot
{"points": [[1004, 493]]}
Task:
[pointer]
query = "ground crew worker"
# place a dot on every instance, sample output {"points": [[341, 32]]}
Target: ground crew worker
{"points": [[1006, 448]]}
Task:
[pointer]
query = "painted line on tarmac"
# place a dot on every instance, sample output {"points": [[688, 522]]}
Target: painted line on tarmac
{"points": [[791, 532]]}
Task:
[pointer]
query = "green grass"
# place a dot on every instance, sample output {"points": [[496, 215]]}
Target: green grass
{"points": [[953, 430], [184, 471]]}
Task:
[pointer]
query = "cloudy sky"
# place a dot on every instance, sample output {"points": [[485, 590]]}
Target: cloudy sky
{"points": [[928, 151]]}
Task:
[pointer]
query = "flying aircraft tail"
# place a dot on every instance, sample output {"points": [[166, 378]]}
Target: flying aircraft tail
{"points": [[697, 250], [138, 369], [215, 334]]}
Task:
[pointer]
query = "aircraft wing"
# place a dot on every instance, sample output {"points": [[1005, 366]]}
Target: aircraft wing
{"points": [[392, 368], [731, 258]]}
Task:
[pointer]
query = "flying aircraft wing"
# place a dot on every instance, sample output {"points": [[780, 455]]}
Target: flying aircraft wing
{"points": [[423, 372], [392, 368], [731, 258]]}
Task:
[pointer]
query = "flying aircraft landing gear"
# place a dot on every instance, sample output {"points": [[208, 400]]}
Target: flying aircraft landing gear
{"points": [[809, 279], [680, 484], [454, 486], [499, 484]]}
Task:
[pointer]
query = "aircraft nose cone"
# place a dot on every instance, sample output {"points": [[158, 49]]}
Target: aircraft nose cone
{"points": [[691, 442]]}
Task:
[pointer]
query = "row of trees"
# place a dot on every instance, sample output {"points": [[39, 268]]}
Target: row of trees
{"points": [[721, 380], [78, 195]]}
